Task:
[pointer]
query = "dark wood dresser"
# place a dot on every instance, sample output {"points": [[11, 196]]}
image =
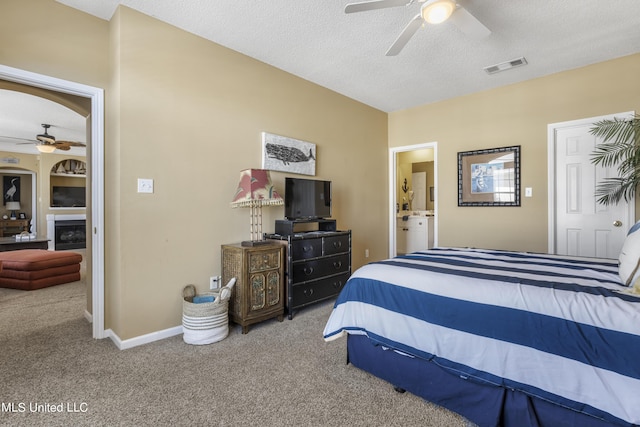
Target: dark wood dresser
{"points": [[318, 266]]}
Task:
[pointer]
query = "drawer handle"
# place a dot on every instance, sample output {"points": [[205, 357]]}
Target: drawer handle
{"points": [[337, 264], [308, 292], [337, 284], [337, 245], [308, 271], [307, 248]]}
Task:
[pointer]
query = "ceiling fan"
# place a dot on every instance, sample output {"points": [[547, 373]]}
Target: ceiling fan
{"points": [[46, 143], [431, 12]]}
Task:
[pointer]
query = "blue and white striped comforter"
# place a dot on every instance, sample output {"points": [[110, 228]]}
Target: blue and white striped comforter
{"points": [[563, 329]]}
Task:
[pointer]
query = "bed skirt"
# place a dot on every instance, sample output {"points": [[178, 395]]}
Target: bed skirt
{"points": [[485, 404]]}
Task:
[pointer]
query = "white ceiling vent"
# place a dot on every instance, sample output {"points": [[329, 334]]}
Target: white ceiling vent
{"points": [[518, 62]]}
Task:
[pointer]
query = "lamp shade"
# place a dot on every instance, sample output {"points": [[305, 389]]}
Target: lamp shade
{"points": [[13, 206], [255, 188], [45, 148]]}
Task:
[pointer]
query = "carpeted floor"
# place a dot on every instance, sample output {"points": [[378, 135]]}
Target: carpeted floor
{"points": [[277, 374]]}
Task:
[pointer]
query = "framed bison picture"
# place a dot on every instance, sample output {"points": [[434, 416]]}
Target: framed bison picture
{"points": [[280, 153]]}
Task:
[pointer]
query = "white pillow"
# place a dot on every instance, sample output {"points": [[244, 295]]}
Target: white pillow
{"points": [[629, 266]]}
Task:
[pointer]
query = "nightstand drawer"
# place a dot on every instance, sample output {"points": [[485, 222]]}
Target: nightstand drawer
{"points": [[314, 269], [266, 260], [307, 248]]}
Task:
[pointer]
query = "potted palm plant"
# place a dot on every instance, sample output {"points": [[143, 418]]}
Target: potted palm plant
{"points": [[620, 147]]}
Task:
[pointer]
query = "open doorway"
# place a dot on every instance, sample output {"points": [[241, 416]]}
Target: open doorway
{"points": [[95, 156], [401, 192]]}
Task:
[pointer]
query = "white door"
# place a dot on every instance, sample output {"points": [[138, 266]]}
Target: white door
{"points": [[584, 227]]}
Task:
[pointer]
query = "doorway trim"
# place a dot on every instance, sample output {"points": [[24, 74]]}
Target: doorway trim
{"points": [[393, 153], [97, 175], [552, 130]]}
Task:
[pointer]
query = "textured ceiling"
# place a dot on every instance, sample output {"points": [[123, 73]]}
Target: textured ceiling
{"points": [[316, 40]]}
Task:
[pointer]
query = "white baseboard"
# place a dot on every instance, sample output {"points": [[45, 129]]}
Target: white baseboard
{"points": [[88, 316], [142, 339]]}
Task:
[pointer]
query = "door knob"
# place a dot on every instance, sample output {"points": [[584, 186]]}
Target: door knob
{"points": [[617, 223]]}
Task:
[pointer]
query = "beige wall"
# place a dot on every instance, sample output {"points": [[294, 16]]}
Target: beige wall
{"points": [[512, 115], [188, 114]]}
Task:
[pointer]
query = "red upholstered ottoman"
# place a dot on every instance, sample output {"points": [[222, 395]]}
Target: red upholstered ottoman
{"points": [[30, 269]]}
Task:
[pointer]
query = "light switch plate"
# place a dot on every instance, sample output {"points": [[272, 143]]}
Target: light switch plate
{"points": [[145, 185], [528, 192]]}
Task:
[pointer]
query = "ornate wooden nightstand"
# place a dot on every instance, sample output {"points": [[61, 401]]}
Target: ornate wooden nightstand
{"points": [[259, 290]]}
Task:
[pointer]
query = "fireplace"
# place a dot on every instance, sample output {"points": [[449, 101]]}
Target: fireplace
{"points": [[70, 234], [67, 231]]}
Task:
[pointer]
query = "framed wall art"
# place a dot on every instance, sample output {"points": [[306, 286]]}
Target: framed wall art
{"points": [[11, 188], [280, 153], [489, 177]]}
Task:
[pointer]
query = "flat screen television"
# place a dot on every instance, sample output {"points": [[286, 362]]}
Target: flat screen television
{"points": [[68, 197], [307, 199]]}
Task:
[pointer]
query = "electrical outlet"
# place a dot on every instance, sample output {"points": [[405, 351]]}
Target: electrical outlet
{"points": [[214, 282]]}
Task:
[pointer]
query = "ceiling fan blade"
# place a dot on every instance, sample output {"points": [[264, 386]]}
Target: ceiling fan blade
{"points": [[70, 143], [373, 5], [18, 139], [405, 36], [469, 24], [62, 147]]}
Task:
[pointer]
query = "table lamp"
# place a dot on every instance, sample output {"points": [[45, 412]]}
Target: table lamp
{"points": [[254, 191], [13, 207]]}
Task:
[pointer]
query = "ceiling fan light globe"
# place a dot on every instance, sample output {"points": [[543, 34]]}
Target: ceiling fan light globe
{"points": [[437, 11], [46, 148]]}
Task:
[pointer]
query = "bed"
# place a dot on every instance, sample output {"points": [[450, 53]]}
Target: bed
{"points": [[502, 338]]}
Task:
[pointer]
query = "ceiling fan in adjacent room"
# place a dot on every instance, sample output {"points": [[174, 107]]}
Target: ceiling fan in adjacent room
{"points": [[47, 143], [431, 12]]}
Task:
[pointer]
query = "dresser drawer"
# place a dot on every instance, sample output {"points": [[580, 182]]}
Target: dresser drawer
{"points": [[316, 268], [306, 248], [266, 260], [307, 293], [336, 245]]}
